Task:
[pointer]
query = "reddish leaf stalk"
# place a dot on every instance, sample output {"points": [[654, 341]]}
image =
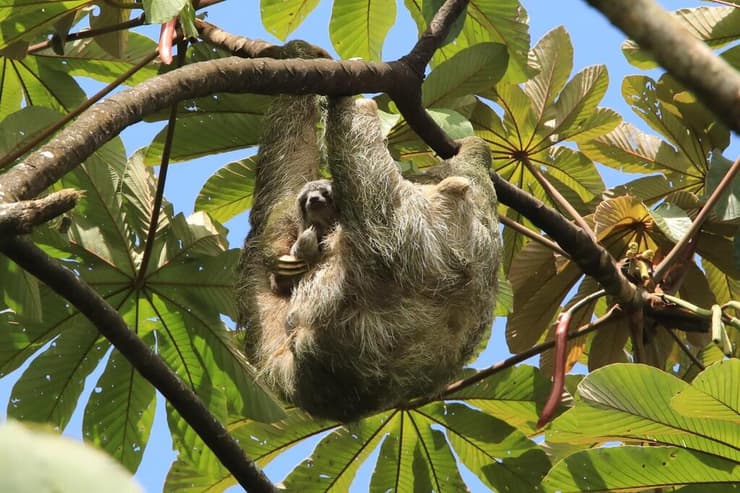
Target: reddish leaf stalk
{"points": [[561, 354]]}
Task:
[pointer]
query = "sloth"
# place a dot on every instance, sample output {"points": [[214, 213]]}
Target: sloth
{"points": [[406, 285], [317, 216]]}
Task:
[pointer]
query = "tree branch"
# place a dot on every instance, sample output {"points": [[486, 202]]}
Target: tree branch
{"points": [[696, 225], [21, 217], [591, 257], [107, 320], [688, 59]]}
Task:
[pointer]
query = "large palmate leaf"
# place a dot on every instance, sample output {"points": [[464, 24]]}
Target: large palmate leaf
{"points": [[178, 303], [628, 402], [417, 447], [358, 27]]}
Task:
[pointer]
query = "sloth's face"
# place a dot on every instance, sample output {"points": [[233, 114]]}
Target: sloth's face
{"points": [[316, 204]]}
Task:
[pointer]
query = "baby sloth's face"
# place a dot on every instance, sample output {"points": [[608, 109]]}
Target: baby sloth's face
{"points": [[316, 204]]}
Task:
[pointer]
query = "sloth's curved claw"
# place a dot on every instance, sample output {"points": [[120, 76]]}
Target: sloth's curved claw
{"points": [[290, 266]]}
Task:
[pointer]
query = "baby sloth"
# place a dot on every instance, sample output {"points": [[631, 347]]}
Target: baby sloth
{"points": [[318, 217]]}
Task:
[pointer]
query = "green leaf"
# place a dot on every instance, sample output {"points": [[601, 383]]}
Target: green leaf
{"points": [[228, 191], [725, 287], [358, 27], [86, 58], [119, 415], [628, 468], [714, 394], [628, 149], [334, 463], [576, 107], [642, 94], [504, 295], [199, 135], [631, 402], [649, 189], [35, 461], [23, 125], [471, 71], [24, 20], [672, 221], [501, 456], [39, 84], [19, 291], [48, 390], [553, 56], [160, 11], [281, 17], [513, 395], [728, 206], [385, 475], [539, 290], [607, 345], [113, 42]]}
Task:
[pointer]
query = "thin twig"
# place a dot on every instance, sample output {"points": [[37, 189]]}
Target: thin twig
{"points": [[686, 350], [518, 358], [696, 225], [558, 197], [161, 180], [90, 33], [532, 235]]}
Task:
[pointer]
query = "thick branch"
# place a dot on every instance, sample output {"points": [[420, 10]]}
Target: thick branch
{"points": [[688, 59], [105, 120], [591, 257], [65, 283], [434, 36], [21, 217]]}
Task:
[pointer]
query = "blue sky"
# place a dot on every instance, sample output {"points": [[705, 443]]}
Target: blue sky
{"points": [[595, 41]]}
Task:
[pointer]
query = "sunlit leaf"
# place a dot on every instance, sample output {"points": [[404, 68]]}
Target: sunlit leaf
{"points": [[628, 468], [23, 19], [228, 191], [672, 221], [160, 11], [714, 394], [358, 27], [633, 402], [470, 71], [282, 17], [728, 206]]}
